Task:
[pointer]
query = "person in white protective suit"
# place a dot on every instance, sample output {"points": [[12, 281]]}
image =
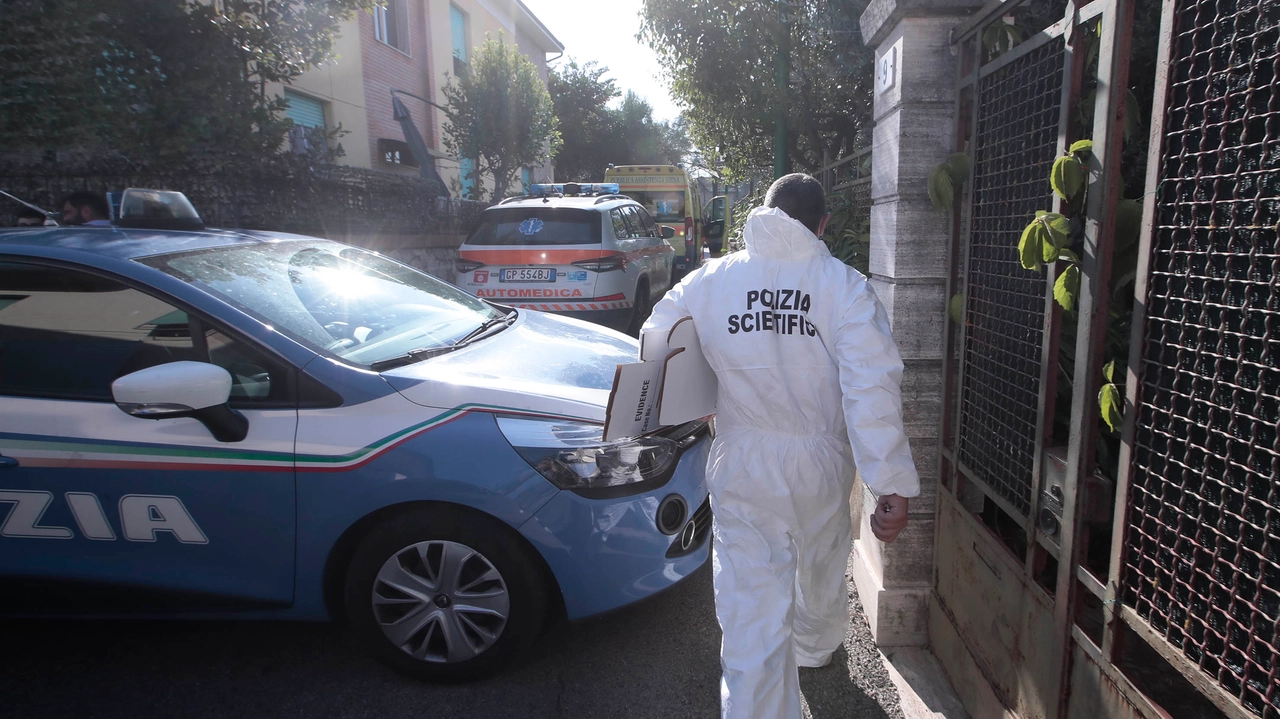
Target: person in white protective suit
{"points": [[809, 386]]}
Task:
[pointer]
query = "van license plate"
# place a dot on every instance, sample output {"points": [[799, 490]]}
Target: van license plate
{"points": [[527, 274]]}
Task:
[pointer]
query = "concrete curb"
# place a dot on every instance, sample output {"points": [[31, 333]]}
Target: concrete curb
{"points": [[924, 692]]}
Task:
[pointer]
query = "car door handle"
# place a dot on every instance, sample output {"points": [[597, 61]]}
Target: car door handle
{"points": [[6, 462]]}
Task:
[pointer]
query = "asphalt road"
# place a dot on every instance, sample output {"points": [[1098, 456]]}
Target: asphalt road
{"points": [[657, 659]]}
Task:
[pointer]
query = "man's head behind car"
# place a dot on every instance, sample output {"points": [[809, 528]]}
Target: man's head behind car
{"points": [[85, 208]]}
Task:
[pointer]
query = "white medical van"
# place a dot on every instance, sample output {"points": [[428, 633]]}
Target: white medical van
{"points": [[573, 249]]}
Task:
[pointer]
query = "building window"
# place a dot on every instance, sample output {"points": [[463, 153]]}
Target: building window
{"points": [[303, 110], [309, 127], [391, 24], [458, 31], [466, 173], [396, 152]]}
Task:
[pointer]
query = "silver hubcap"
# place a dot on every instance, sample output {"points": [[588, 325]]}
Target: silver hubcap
{"points": [[440, 601]]}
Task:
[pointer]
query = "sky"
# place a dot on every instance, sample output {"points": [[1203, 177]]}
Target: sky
{"points": [[605, 31]]}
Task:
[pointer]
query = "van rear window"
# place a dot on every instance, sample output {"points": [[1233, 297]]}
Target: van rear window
{"points": [[537, 226]]}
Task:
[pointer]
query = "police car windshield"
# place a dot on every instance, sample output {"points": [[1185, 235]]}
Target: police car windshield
{"points": [[537, 226], [355, 304]]}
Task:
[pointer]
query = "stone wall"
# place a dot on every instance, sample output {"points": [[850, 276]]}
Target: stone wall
{"points": [[433, 254], [915, 120]]}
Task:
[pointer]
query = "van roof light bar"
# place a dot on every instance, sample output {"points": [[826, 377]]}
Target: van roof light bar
{"points": [[575, 188]]}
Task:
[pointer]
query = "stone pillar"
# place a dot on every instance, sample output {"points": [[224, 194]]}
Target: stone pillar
{"points": [[914, 113]]}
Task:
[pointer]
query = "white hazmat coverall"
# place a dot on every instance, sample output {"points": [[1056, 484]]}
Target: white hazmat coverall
{"points": [[809, 384]]}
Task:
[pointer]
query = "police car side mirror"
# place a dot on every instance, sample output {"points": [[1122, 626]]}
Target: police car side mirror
{"points": [[668, 232], [198, 390]]}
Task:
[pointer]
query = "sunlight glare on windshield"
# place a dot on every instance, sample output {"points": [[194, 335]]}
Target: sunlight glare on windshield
{"points": [[347, 280]]}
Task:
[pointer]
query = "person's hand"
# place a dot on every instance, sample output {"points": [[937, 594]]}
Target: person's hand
{"points": [[889, 518]]}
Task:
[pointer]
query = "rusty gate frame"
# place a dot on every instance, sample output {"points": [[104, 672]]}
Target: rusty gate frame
{"points": [[960, 485], [958, 481], [1119, 616]]}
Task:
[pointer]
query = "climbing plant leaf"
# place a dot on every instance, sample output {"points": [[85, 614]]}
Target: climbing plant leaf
{"points": [[941, 189], [1055, 236], [1109, 371], [956, 308], [1132, 116], [1128, 223], [1048, 249], [958, 167], [1067, 176], [1030, 247], [1059, 228], [1111, 405], [1067, 287], [1081, 146]]}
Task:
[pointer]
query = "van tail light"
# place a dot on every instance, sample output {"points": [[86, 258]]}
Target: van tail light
{"points": [[465, 266], [688, 227], [604, 264]]}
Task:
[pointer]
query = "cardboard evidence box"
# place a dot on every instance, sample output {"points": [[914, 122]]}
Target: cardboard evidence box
{"points": [[670, 385]]}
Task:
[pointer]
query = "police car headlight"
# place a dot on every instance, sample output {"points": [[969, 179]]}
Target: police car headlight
{"points": [[574, 455]]}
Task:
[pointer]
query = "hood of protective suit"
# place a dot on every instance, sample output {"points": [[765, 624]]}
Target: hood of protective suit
{"points": [[772, 233]]}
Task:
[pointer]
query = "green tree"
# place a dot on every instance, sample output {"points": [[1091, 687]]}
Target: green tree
{"points": [[643, 140], [720, 55], [581, 97], [596, 134], [156, 80], [500, 114]]}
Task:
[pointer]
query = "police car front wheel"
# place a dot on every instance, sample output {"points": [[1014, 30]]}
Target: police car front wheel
{"points": [[444, 597]]}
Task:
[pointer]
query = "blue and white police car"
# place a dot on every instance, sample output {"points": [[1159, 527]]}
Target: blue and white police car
{"points": [[228, 423]]}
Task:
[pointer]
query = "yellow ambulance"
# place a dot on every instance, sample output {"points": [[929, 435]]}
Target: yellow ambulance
{"points": [[667, 193]]}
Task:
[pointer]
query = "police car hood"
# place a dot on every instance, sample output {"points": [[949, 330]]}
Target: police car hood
{"points": [[543, 364]]}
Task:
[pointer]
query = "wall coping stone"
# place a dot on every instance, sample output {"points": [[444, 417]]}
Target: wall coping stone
{"points": [[882, 16]]}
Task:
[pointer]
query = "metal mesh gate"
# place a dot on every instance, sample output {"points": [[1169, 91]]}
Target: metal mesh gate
{"points": [[1201, 555], [1016, 142], [860, 197]]}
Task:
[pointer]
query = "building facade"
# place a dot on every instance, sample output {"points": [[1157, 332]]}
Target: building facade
{"points": [[414, 46]]}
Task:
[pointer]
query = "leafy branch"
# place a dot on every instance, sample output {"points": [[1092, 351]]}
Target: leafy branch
{"points": [[946, 178], [1050, 235]]}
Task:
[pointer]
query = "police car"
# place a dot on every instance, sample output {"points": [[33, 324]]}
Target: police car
{"points": [[580, 250], [267, 425]]}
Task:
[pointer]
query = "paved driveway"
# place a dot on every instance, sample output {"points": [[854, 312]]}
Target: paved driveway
{"points": [[658, 659]]}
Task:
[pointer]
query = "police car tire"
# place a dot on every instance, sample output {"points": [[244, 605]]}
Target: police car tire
{"points": [[497, 542]]}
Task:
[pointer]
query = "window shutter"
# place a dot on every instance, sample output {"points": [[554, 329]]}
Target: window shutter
{"points": [[303, 110], [465, 168], [458, 28]]}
